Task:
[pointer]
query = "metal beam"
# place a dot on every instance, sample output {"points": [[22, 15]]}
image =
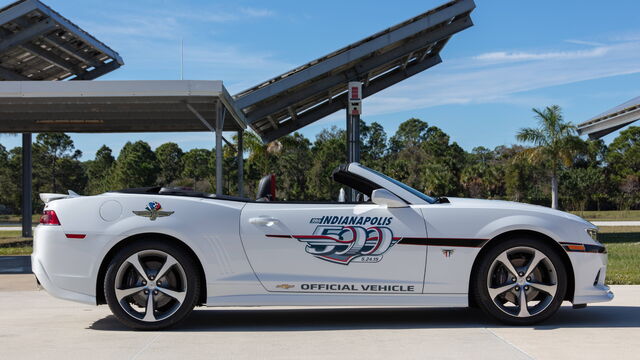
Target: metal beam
{"points": [[68, 49], [240, 164], [360, 70], [375, 85], [26, 35], [206, 123], [221, 113], [27, 207], [97, 72], [51, 58]]}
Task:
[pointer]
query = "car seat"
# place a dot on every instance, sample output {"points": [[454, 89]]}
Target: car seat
{"points": [[267, 188]]}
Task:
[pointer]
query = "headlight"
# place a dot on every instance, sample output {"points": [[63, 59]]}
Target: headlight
{"points": [[593, 233]]}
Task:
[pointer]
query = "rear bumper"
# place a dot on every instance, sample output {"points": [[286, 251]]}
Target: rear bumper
{"points": [[62, 265], [590, 270], [45, 281]]}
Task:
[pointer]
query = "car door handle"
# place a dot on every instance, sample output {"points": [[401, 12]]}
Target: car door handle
{"points": [[264, 220]]}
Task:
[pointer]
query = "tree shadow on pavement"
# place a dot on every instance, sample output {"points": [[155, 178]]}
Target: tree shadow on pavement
{"points": [[252, 320]]}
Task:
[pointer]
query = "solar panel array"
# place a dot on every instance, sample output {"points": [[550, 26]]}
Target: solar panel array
{"points": [[612, 120], [299, 97], [37, 43]]}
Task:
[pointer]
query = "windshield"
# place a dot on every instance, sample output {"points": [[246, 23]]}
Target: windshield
{"points": [[406, 187]]}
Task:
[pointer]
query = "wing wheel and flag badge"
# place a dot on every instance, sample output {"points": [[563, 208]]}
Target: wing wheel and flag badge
{"points": [[152, 211]]}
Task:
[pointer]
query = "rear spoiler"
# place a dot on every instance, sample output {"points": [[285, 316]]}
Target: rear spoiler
{"points": [[49, 197]]}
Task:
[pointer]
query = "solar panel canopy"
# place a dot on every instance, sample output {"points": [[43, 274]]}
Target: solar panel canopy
{"points": [[611, 120], [116, 106], [286, 103], [37, 43]]}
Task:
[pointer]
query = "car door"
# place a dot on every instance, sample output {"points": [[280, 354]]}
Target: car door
{"points": [[334, 248]]}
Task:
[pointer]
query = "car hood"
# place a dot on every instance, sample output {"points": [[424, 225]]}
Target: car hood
{"points": [[512, 205]]}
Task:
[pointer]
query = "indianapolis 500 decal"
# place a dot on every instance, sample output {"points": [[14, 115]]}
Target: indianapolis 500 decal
{"points": [[343, 244]]}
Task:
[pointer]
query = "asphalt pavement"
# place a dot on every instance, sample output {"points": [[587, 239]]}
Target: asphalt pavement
{"points": [[35, 325]]}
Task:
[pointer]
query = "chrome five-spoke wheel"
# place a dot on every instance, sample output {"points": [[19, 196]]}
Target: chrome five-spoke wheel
{"points": [[151, 285], [520, 281]]}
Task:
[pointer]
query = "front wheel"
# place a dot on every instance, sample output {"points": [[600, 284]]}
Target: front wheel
{"points": [[151, 285], [520, 281]]}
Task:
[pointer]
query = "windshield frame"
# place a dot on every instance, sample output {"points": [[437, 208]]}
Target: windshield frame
{"points": [[399, 188]]}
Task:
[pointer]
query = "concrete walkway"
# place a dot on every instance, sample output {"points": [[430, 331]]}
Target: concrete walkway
{"points": [[12, 228], [35, 325], [616, 223]]}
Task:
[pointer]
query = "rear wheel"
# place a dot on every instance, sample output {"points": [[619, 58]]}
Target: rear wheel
{"points": [[151, 285], [520, 281]]}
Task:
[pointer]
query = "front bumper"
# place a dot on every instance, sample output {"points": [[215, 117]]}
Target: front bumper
{"points": [[590, 270]]}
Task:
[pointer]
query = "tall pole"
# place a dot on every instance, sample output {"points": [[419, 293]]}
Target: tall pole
{"points": [[240, 164], [27, 207], [354, 110], [220, 114]]}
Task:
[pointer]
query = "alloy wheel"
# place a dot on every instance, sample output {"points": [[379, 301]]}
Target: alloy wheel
{"points": [[522, 281], [150, 285]]}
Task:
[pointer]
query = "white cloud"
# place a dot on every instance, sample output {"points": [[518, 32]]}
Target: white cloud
{"points": [[503, 56], [257, 13], [583, 42], [472, 80]]}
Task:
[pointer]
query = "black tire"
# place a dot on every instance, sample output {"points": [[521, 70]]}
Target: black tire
{"points": [[501, 311], [188, 278]]}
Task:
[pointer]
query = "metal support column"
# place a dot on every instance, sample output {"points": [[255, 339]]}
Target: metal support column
{"points": [[27, 209], [220, 114], [240, 164], [353, 127]]}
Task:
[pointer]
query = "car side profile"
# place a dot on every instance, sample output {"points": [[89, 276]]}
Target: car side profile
{"points": [[153, 254]]}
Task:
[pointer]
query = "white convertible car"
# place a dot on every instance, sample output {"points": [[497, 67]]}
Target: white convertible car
{"points": [[153, 254]]}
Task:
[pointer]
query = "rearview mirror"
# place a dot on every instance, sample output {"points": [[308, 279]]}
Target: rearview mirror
{"points": [[386, 197]]}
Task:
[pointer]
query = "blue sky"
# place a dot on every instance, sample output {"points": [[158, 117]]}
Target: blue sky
{"points": [[581, 55]]}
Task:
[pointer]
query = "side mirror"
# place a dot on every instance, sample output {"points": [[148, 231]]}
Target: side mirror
{"points": [[386, 197]]}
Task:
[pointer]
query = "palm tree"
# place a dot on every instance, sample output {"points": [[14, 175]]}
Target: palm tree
{"points": [[554, 143]]}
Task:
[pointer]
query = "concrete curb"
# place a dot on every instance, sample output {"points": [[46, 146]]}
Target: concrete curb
{"points": [[15, 264]]}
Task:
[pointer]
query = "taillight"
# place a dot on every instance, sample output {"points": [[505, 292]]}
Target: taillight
{"points": [[49, 217]]}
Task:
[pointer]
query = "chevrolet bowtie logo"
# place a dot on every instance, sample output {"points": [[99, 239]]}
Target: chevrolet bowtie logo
{"points": [[285, 286], [152, 211]]}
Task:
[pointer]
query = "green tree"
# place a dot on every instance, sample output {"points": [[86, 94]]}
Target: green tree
{"points": [[581, 185], [409, 133], [554, 141], [99, 171], [52, 148], [293, 163], [137, 166], [328, 152], [624, 153], [196, 165], [170, 162], [374, 144]]}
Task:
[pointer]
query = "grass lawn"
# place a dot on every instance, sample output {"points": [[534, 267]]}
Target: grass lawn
{"points": [[21, 250], [612, 215], [623, 245], [12, 243]]}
